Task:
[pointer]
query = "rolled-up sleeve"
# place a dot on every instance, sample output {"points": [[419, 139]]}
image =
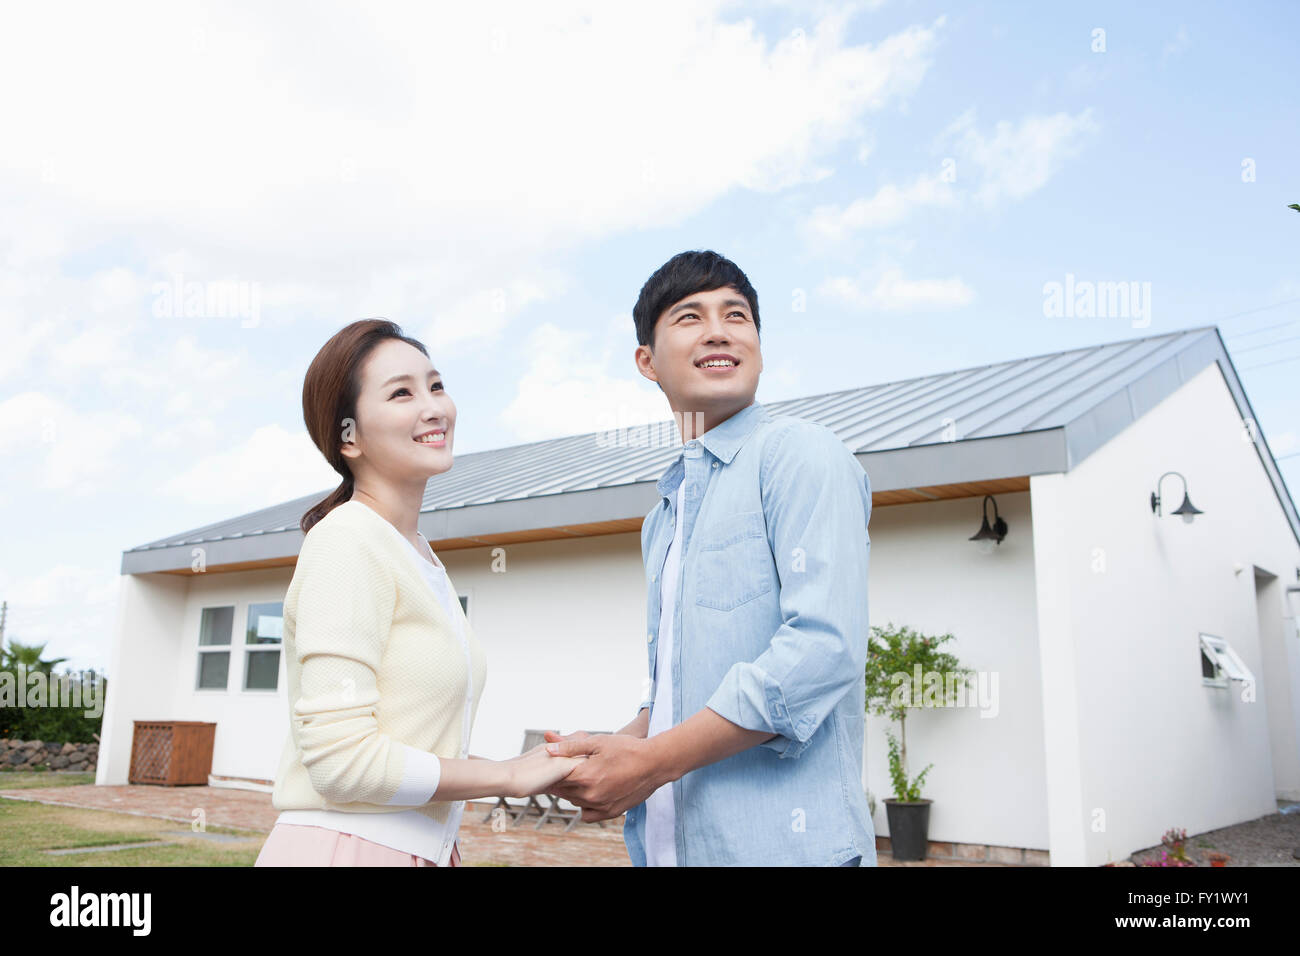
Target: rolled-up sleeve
{"points": [[341, 613], [817, 504]]}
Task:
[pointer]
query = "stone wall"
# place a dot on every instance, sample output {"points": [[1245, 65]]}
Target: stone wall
{"points": [[28, 754]]}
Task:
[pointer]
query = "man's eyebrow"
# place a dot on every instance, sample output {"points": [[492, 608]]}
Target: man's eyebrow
{"points": [[726, 304], [406, 378]]}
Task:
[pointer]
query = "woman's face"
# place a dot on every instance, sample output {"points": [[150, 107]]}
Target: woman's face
{"points": [[402, 401]]}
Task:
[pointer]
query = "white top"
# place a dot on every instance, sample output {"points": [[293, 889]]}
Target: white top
{"points": [[660, 813], [409, 830]]}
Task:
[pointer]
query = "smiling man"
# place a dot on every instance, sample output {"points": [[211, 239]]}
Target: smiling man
{"points": [[749, 748]]}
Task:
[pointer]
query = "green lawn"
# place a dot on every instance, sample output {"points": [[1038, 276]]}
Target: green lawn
{"points": [[27, 829], [20, 780]]}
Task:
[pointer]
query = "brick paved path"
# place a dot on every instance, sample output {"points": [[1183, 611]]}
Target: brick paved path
{"points": [[586, 845]]}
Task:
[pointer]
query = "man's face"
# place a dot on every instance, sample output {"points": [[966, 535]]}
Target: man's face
{"points": [[706, 355]]}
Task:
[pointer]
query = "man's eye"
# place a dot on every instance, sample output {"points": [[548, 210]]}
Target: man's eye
{"points": [[741, 314]]}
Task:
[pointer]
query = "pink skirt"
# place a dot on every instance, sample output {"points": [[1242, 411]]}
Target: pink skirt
{"points": [[294, 845]]}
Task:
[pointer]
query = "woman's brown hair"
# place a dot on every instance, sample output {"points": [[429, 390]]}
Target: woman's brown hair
{"points": [[329, 399]]}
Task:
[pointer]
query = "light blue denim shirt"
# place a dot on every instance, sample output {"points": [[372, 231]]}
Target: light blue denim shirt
{"points": [[771, 625]]}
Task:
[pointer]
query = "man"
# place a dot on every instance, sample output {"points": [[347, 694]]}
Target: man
{"points": [[749, 748]]}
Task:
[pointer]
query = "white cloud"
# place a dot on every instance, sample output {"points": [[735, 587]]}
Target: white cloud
{"points": [[68, 607], [890, 291], [352, 141], [254, 471], [1016, 159], [889, 206], [1177, 45], [568, 388], [478, 319], [63, 448]]}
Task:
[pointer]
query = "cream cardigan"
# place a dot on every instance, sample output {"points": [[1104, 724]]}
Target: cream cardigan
{"points": [[376, 673]]}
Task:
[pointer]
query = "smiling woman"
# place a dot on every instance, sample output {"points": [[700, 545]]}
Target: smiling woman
{"points": [[332, 391], [370, 777]]}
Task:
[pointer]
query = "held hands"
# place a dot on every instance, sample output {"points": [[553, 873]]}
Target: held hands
{"points": [[536, 771], [620, 771]]}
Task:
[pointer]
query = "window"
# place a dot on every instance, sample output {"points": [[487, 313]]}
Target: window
{"points": [[1220, 663], [216, 625], [262, 646]]}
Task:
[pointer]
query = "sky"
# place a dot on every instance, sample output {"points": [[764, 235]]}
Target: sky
{"points": [[195, 197]]}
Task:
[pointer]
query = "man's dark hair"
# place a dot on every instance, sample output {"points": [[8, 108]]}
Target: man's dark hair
{"points": [[685, 274]]}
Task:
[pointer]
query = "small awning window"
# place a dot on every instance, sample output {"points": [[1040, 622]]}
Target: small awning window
{"points": [[1220, 663]]}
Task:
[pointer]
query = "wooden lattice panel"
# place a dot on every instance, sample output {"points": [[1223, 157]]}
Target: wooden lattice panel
{"points": [[172, 752]]}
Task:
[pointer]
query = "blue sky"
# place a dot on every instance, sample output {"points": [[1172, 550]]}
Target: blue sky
{"points": [[898, 179]]}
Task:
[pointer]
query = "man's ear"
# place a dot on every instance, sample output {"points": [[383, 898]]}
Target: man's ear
{"points": [[644, 358]]}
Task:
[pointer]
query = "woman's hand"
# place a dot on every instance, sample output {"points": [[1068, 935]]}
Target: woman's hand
{"points": [[537, 771]]}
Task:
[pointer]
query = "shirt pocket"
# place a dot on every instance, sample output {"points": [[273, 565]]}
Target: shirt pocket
{"points": [[734, 563]]}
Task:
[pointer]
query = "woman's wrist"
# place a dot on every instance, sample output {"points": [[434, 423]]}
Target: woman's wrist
{"points": [[506, 784]]}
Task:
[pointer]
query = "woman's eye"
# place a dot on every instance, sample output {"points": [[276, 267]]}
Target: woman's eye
{"points": [[399, 392], [439, 385]]}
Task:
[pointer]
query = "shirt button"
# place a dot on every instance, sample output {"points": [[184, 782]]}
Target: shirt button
{"points": [[654, 577], [715, 464], [649, 638]]}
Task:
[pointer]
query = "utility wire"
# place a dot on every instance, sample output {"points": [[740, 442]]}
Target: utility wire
{"points": [[1267, 328], [1266, 345], [1294, 358]]}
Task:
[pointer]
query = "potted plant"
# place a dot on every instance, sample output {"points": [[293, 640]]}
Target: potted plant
{"points": [[1175, 839], [902, 665]]}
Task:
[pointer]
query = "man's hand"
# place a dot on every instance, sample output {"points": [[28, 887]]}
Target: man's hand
{"points": [[554, 736], [620, 771]]}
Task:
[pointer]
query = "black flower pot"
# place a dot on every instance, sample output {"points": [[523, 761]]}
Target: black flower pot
{"points": [[909, 828]]}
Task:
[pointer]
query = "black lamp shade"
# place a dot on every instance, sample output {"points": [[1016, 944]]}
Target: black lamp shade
{"points": [[1187, 510]]}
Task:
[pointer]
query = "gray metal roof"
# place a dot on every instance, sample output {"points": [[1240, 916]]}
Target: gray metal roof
{"points": [[1035, 415]]}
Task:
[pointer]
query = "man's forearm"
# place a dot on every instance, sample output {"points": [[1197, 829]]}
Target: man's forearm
{"points": [[640, 725], [705, 738]]}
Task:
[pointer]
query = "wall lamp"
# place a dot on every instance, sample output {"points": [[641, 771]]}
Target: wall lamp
{"points": [[990, 536], [1187, 511]]}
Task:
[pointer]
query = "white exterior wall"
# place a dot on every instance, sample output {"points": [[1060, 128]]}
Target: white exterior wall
{"points": [[988, 782], [159, 625], [251, 724], [563, 628], [142, 667], [1135, 742]]}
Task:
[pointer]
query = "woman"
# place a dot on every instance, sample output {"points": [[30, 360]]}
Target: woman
{"points": [[384, 672]]}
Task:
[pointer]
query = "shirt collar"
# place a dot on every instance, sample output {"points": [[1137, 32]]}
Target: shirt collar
{"points": [[722, 441]]}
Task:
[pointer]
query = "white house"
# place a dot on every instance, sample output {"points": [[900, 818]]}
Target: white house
{"points": [[1147, 670]]}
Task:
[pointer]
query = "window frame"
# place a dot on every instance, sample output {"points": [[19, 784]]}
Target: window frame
{"points": [[269, 647], [1228, 666], [204, 649]]}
